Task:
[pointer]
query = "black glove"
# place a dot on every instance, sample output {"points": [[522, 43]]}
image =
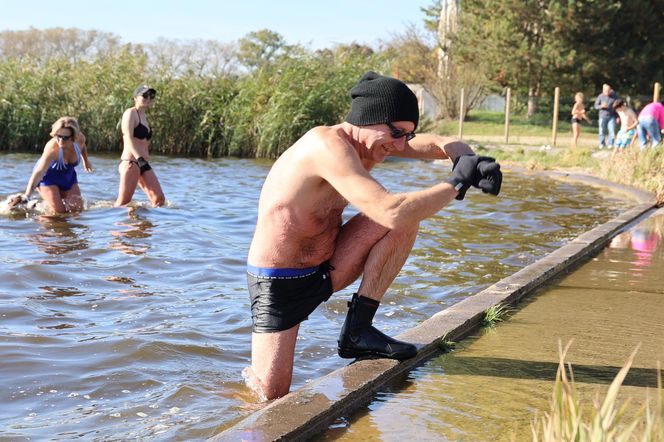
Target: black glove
{"points": [[477, 171], [143, 165]]}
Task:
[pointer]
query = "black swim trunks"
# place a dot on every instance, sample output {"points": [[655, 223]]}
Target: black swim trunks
{"points": [[282, 298]]}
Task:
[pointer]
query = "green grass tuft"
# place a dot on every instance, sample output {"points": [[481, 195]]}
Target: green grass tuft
{"points": [[445, 344], [495, 314]]}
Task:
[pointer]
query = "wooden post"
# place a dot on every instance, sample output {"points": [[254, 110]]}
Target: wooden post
{"points": [[556, 99], [655, 92], [508, 95], [462, 107]]}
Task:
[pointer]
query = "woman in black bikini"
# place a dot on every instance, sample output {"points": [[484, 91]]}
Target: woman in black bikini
{"points": [[134, 167]]}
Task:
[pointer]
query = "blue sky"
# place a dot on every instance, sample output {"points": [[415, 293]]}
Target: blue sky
{"points": [[312, 23]]}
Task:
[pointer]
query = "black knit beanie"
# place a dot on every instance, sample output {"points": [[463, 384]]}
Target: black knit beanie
{"points": [[378, 100]]}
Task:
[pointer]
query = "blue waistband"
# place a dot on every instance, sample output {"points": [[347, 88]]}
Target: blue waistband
{"points": [[279, 273]]}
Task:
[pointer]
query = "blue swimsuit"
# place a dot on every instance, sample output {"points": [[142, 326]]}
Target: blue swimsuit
{"points": [[60, 173]]}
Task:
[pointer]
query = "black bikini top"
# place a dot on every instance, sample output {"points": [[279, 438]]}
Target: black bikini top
{"points": [[142, 132]]}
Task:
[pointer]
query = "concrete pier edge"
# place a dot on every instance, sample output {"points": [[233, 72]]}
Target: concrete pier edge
{"points": [[308, 411]]}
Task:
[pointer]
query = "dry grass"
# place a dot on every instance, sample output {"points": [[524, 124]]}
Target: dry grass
{"points": [[632, 167], [642, 169], [568, 419]]}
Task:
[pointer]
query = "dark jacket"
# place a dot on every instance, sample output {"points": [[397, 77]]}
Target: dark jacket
{"points": [[609, 100]]}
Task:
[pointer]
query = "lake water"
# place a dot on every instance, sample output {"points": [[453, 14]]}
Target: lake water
{"points": [[121, 323]]}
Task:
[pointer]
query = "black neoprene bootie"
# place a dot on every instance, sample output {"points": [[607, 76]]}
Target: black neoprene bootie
{"points": [[359, 338]]}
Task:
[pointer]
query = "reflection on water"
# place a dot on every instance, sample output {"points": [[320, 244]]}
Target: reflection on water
{"points": [[59, 235], [490, 387], [643, 240], [139, 327], [130, 234]]}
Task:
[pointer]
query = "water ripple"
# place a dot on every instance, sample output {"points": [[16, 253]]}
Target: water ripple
{"points": [[135, 321]]}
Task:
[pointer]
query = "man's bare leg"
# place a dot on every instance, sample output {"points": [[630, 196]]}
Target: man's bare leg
{"points": [[362, 246], [272, 361], [366, 247]]}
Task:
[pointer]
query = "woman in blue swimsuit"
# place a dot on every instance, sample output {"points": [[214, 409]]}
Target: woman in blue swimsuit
{"points": [[54, 175], [134, 168]]}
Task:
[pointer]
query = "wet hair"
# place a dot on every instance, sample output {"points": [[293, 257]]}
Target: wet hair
{"points": [[66, 123]]}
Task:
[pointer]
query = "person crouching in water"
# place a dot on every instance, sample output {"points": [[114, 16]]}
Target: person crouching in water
{"points": [[54, 174], [134, 168]]}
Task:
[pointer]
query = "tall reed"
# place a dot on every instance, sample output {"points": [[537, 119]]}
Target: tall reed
{"points": [[258, 114], [569, 419]]}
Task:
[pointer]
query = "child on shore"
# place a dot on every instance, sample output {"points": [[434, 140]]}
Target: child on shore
{"points": [[628, 123]]}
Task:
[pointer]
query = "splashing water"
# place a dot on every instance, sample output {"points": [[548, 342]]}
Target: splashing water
{"points": [[253, 383]]}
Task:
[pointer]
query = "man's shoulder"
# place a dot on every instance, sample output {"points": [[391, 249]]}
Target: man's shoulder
{"points": [[325, 131], [326, 137]]}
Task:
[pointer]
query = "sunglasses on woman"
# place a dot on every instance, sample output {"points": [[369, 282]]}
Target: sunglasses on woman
{"points": [[63, 137], [400, 133], [149, 95]]}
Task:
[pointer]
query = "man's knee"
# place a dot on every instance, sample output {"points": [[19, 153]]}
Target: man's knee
{"points": [[406, 233]]}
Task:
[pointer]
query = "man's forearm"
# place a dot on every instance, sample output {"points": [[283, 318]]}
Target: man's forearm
{"points": [[436, 147]]}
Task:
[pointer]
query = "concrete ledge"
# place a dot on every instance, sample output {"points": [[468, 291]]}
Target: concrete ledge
{"points": [[308, 411]]}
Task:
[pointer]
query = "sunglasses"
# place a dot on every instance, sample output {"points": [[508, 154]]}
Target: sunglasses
{"points": [[400, 133], [149, 95], [63, 137]]}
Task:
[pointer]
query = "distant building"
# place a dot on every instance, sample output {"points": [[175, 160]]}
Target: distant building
{"points": [[426, 103], [493, 103]]}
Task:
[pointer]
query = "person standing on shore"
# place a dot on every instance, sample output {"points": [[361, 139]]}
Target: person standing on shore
{"points": [[302, 251], [134, 168], [607, 116], [54, 174], [578, 114]]}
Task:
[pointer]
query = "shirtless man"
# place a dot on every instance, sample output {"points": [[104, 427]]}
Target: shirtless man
{"points": [[301, 252]]}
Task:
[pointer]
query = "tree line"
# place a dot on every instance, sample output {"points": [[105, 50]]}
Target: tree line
{"points": [[532, 46]]}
